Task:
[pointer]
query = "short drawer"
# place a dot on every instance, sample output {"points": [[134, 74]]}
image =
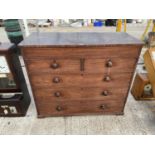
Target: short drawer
{"points": [[79, 107], [61, 94], [53, 65], [113, 80], [110, 65]]}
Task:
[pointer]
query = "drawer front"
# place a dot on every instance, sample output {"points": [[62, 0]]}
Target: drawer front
{"points": [[77, 108], [85, 80], [87, 52], [60, 94], [54, 65], [90, 66], [110, 65]]}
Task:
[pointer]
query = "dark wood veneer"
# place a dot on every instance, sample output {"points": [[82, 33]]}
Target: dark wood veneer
{"points": [[80, 73]]}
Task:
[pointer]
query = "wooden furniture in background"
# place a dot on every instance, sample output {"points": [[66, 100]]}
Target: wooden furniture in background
{"points": [[149, 60], [80, 73], [14, 96], [144, 84], [142, 89]]}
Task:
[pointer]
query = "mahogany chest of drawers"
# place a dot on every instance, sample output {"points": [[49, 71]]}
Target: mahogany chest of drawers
{"points": [[80, 73]]}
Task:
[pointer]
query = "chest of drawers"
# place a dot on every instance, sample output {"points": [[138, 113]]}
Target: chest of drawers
{"points": [[80, 73]]}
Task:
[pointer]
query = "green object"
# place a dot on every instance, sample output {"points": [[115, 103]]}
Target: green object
{"points": [[12, 25], [14, 34], [13, 30]]}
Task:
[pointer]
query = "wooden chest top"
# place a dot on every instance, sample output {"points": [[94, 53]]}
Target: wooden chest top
{"points": [[79, 39]]}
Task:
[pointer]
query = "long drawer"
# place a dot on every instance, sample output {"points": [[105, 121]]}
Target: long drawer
{"points": [[86, 80], [60, 94], [79, 107], [61, 66], [87, 52]]}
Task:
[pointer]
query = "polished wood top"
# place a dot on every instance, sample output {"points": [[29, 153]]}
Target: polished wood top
{"points": [[79, 39]]}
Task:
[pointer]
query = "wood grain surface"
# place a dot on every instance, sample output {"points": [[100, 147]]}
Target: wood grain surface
{"points": [[76, 80], [68, 71]]}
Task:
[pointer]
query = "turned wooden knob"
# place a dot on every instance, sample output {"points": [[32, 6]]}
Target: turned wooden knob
{"points": [[57, 94], [105, 93], [56, 79], [55, 65], [59, 108], [107, 78], [109, 63], [102, 106]]}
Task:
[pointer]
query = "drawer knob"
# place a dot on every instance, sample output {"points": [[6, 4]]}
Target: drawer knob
{"points": [[107, 78], [57, 94], [59, 108], [102, 106], [56, 79], [109, 63], [105, 93], [55, 65]]}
